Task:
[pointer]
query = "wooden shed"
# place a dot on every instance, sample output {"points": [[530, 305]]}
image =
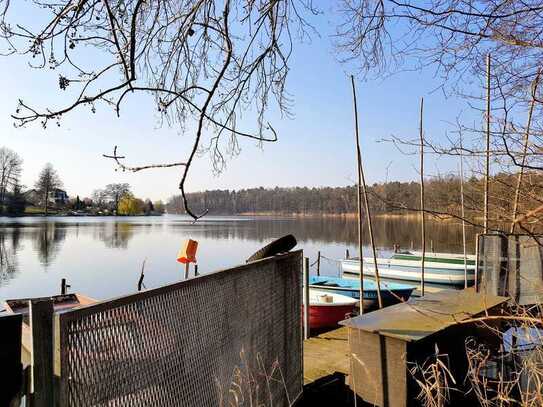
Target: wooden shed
{"points": [[384, 344]]}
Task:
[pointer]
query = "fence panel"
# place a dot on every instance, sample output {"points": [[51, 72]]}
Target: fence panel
{"points": [[511, 266], [230, 337]]}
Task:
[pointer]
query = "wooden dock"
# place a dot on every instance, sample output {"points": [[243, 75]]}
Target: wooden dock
{"points": [[327, 370], [326, 354]]}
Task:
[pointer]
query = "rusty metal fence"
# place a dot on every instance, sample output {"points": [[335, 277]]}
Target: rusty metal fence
{"points": [[232, 337]]}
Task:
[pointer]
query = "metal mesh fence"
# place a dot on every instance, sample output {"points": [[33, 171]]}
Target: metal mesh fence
{"points": [[228, 338], [511, 265]]}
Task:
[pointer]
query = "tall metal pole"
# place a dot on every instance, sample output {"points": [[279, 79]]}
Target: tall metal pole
{"points": [[487, 162], [359, 203], [423, 220]]}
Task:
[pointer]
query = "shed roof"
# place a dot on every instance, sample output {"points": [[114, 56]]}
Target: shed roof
{"points": [[420, 317]]}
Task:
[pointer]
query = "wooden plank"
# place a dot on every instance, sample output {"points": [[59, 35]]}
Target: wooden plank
{"points": [[326, 354], [41, 324], [10, 357], [26, 345], [424, 316], [378, 368]]}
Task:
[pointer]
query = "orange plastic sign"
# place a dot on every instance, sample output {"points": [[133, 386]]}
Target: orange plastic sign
{"points": [[187, 254]]}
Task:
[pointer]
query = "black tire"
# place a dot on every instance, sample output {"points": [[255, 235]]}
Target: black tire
{"points": [[281, 245]]}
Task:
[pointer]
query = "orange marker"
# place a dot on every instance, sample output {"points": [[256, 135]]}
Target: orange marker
{"points": [[187, 254]]}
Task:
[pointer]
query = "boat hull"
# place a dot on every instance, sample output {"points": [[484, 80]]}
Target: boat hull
{"points": [[322, 316], [447, 258], [326, 309], [60, 302], [434, 272], [391, 293]]}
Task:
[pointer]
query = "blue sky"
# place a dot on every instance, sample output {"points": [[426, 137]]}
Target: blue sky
{"points": [[314, 149]]}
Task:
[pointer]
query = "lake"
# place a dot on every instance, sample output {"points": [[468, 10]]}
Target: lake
{"points": [[102, 256]]}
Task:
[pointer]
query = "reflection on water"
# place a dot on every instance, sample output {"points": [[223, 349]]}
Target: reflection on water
{"points": [[47, 239], [8, 258], [115, 235], [102, 257], [443, 236]]}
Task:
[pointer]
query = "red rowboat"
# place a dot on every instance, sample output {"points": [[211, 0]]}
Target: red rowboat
{"points": [[327, 309]]}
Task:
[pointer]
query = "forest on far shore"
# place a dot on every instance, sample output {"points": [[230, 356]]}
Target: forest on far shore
{"points": [[442, 196]]}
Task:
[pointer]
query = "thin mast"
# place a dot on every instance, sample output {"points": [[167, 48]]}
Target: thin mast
{"points": [[463, 215], [359, 203]]}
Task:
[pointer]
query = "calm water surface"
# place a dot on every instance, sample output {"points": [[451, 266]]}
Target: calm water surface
{"points": [[102, 256]]}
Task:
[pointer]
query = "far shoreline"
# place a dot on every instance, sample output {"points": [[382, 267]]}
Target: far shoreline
{"points": [[315, 215]]}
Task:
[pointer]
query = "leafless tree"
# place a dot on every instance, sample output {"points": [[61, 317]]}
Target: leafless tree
{"points": [[47, 182], [203, 61], [453, 38], [11, 166], [115, 192], [99, 198]]}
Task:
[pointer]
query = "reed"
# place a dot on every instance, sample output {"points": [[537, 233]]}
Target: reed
{"points": [[505, 369]]}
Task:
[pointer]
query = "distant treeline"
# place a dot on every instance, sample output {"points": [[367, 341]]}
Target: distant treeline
{"points": [[442, 195]]}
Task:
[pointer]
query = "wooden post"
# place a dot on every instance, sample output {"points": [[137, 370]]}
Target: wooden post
{"points": [[10, 359], [412, 245], [423, 225], [432, 245], [142, 276], [359, 203], [319, 263], [477, 262], [347, 254], [307, 328], [41, 324], [64, 287], [463, 215], [487, 162]]}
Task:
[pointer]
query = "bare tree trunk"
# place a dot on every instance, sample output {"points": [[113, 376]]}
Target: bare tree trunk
{"points": [[423, 220], [487, 161], [46, 199], [359, 203], [524, 151]]}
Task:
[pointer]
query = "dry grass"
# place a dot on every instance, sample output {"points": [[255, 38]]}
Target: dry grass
{"points": [[435, 381], [253, 384], [503, 370]]}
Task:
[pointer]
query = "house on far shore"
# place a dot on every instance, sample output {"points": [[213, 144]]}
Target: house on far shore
{"points": [[32, 197], [58, 197]]}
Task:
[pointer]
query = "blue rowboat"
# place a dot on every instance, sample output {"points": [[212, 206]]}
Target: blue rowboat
{"points": [[435, 272], [390, 292]]}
